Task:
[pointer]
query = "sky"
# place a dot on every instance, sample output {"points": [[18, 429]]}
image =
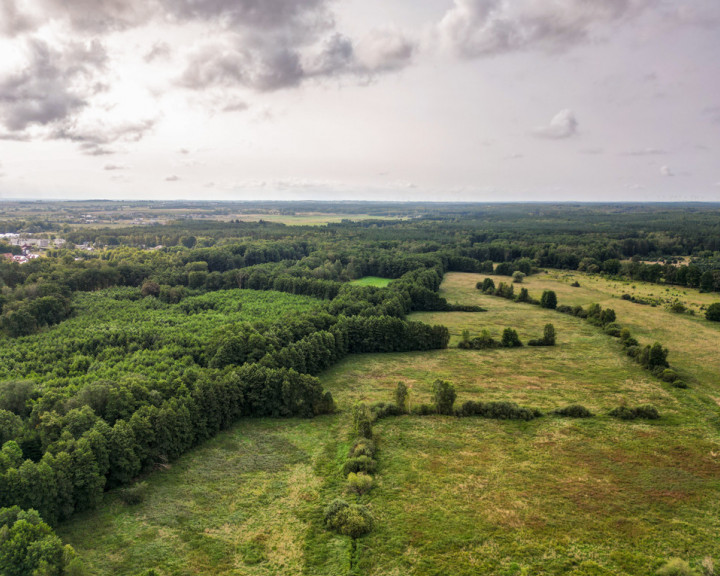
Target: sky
{"points": [[438, 100]]}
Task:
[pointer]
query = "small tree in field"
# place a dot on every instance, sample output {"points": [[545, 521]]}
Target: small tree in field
{"points": [[510, 339], [713, 312], [443, 396], [549, 335], [548, 300], [401, 394]]}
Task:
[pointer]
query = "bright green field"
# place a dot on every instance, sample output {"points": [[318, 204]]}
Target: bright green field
{"points": [[372, 281], [458, 496]]}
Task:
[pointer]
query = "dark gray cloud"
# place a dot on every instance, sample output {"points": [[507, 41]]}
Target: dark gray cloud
{"points": [[267, 65], [475, 28], [99, 15], [563, 125], [52, 86]]}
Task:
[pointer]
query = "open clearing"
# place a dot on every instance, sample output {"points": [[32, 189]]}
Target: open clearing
{"points": [[459, 496]]}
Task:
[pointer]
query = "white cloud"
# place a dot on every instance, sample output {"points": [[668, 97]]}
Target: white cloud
{"points": [[666, 172], [475, 28], [563, 125]]}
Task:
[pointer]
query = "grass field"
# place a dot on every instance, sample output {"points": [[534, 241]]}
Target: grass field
{"points": [[459, 496], [372, 281]]}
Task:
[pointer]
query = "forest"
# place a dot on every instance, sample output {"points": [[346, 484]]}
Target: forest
{"points": [[127, 347]]}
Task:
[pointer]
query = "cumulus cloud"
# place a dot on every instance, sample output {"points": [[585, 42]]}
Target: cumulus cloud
{"points": [[563, 125], [666, 172], [51, 85], [475, 28], [13, 20], [99, 137]]}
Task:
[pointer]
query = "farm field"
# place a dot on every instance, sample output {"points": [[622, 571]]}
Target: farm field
{"points": [[457, 496]]}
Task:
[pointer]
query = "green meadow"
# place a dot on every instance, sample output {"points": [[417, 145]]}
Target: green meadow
{"points": [[459, 496]]}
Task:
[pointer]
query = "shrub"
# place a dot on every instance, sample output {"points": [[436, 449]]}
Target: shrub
{"points": [[361, 421], [565, 309], [487, 285], [524, 295], [518, 277], [135, 494], [713, 312], [362, 447], [548, 299], [624, 413], [677, 307], [352, 520], [505, 291], [607, 316], [510, 339], [676, 567], [498, 411], [669, 375], [384, 409], [613, 329], [401, 395], [549, 335], [443, 396], [575, 284], [580, 312], [679, 384], [359, 464], [359, 483], [574, 411], [484, 341], [424, 410]]}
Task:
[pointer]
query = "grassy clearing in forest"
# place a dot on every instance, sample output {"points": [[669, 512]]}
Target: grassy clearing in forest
{"points": [[468, 496], [375, 281]]}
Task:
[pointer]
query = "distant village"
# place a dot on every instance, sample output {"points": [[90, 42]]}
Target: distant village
{"points": [[30, 248]]}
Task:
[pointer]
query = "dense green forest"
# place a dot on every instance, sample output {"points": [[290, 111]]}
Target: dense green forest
{"points": [[128, 345]]}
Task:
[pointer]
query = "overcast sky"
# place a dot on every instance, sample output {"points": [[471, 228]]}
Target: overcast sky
{"points": [[486, 100]]}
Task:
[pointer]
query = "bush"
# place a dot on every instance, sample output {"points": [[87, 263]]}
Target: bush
{"points": [[352, 520], [613, 330], [443, 396], [565, 309], [362, 447], [574, 411], [679, 384], [676, 567], [505, 291], [401, 396], [359, 464], [548, 299], [487, 286], [360, 483], [133, 495], [524, 295], [510, 339], [384, 409], [669, 375], [677, 307], [498, 411], [424, 410], [361, 421], [518, 277], [713, 312], [483, 342], [575, 284], [624, 413]]}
